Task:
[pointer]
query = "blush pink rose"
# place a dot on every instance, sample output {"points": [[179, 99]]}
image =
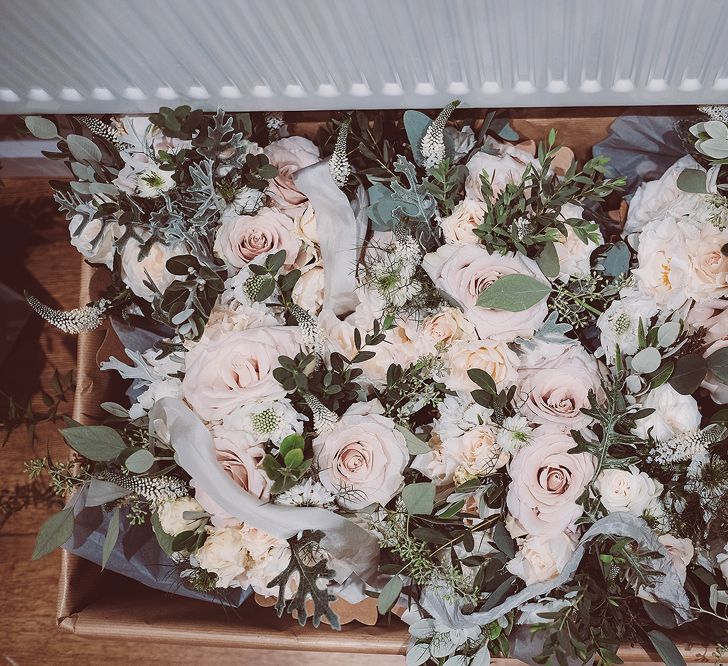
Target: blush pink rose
{"points": [[227, 370], [242, 238], [547, 481], [289, 155]]}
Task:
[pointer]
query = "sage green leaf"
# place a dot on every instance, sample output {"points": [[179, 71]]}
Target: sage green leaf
{"points": [[416, 124], [140, 461], [293, 458], [54, 532], [98, 443], [41, 128], [415, 445], [514, 293], [646, 360], [482, 657], [667, 650], [389, 595], [291, 442], [112, 534], [164, 539], [115, 409], [718, 364], [692, 180], [690, 371], [548, 261], [83, 149], [100, 492], [483, 379], [616, 260], [660, 614], [667, 333], [419, 498]]}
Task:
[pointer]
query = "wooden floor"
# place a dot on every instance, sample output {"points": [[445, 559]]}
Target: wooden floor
{"points": [[35, 255]]}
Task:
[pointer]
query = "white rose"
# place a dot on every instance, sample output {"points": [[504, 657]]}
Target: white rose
{"points": [[265, 557], [464, 272], [674, 414], [94, 240], [309, 290], [664, 266], [227, 370], [574, 255], [171, 516], [542, 558], [681, 552], [493, 356], [223, 554], [627, 490], [134, 270], [241, 239], [619, 323], [555, 387], [289, 155], [457, 228], [362, 458], [503, 168], [708, 274], [547, 482]]}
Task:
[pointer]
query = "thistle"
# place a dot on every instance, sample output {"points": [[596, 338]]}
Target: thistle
{"points": [[716, 111], [433, 142], [324, 419], [100, 128], [339, 166], [154, 489], [78, 320]]}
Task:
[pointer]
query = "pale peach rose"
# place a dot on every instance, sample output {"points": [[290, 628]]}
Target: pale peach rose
{"points": [[135, 271], [237, 316], [305, 225], [681, 551], [478, 454], [171, 515], [463, 273], [547, 483], [289, 155], [240, 456], [227, 370], [554, 386], [223, 554], [708, 272], [309, 290], [240, 239], [627, 490], [493, 356], [447, 326], [457, 228], [362, 459], [541, 557], [503, 168]]}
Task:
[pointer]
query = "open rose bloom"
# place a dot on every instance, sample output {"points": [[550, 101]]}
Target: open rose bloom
{"points": [[439, 378]]}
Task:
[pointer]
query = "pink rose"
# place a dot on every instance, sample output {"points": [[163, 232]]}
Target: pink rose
{"points": [[555, 384], [464, 272], [227, 370], [242, 238], [290, 155], [362, 458], [547, 482], [241, 461]]}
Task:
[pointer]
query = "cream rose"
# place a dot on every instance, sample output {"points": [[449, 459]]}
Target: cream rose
{"points": [[547, 482], [664, 266], [708, 272], [627, 490], [505, 167], [542, 558], [681, 551], [362, 458], [457, 228], [574, 255], [227, 370], [674, 414], [289, 155], [493, 356], [94, 239], [447, 326], [135, 271], [242, 238], [479, 454], [305, 226], [223, 554], [309, 290], [555, 387], [171, 515], [464, 272]]}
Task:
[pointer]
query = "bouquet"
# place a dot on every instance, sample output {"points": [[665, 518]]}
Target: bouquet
{"points": [[411, 361]]}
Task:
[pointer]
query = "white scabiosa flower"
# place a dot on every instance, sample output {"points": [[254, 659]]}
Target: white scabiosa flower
{"points": [[307, 493], [619, 323], [271, 420]]}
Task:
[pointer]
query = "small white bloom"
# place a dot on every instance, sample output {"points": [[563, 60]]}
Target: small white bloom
{"points": [[513, 434], [153, 182], [619, 323], [267, 420], [171, 515], [307, 493], [541, 558]]}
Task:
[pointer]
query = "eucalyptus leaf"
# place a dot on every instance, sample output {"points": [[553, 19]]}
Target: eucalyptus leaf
{"points": [[718, 364], [690, 371], [115, 409], [514, 293], [41, 128], [97, 443], [164, 539], [415, 445], [83, 149], [667, 333], [389, 595], [140, 461], [54, 532], [616, 260], [667, 650], [646, 360], [419, 498], [548, 261], [112, 534], [101, 492], [692, 180]]}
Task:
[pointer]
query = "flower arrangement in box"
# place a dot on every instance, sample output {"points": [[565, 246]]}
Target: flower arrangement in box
{"points": [[412, 361]]}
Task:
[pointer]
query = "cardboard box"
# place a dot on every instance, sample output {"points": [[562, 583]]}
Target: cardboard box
{"points": [[95, 603]]}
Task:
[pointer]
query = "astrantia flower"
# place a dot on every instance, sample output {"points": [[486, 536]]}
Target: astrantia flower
{"points": [[307, 493]]}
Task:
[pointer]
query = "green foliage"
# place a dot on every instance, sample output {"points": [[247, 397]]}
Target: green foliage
{"points": [[180, 123], [99, 443], [310, 568], [54, 532], [289, 466], [513, 293], [445, 184], [419, 498]]}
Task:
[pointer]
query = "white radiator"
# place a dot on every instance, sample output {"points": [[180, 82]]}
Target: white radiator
{"points": [[93, 56]]}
